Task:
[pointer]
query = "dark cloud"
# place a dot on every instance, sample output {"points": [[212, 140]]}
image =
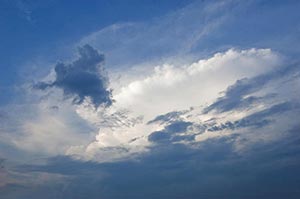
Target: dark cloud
{"points": [[210, 169], [85, 77], [178, 127], [257, 119], [238, 96], [2, 160], [159, 136], [170, 132]]}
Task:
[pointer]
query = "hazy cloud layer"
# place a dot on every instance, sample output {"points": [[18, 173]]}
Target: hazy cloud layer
{"points": [[210, 169]]}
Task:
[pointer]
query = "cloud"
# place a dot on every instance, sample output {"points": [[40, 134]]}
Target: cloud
{"points": [[209, 169], [163, 99], [169, 131], [3, 173], [171, 88], [188, 132], [257, 119], [224, 126], [83, 78], [36, 128], [238, 95], [166, 105]]}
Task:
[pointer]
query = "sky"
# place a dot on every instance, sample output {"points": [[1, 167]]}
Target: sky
{"points": [[149, 99]]}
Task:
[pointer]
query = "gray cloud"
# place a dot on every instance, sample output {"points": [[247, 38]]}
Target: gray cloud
{"points": [[258, 119], [82, 78], [170, 131], [211, 169], [238, 96]]}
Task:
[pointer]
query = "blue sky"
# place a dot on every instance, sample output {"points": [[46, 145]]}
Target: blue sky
{"points": [[149, 99]]}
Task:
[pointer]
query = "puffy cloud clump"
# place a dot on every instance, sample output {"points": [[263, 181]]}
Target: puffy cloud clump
{"points": [[83, 78], [170, 88]]}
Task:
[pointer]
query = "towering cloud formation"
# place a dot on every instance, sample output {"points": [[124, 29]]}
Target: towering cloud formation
{"points": [[165, 96], [83, 78]]}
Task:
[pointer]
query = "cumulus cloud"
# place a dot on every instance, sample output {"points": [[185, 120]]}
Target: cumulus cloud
{"points": [[194, 152], [171, 104], [83, 78], [171, 88], [169, 97]]}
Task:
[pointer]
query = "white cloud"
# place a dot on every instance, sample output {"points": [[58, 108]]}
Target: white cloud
{"points": [[171, 88], [123, 129], [44, 128], [168, 88]]}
